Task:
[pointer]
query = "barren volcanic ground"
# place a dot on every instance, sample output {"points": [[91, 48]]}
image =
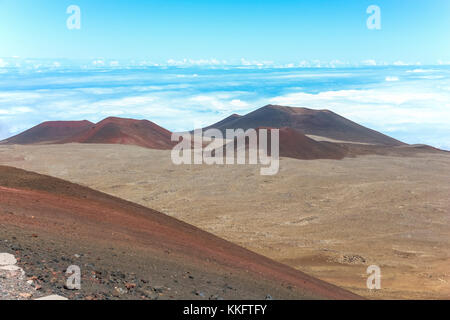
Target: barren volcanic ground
{"points": [[329, 218], [125, 249]]}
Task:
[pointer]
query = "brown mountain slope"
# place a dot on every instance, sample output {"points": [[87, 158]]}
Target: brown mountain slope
{"points": [[60, 214], [225, 122], [49, 132], [314, 122], [113, 130], [108, 131], [294, 144]]}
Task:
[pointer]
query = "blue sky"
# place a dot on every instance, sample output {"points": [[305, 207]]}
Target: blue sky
{"points": [[281, 31]]}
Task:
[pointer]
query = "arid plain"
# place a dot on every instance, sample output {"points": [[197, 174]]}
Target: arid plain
{"points": [[328, 218]]}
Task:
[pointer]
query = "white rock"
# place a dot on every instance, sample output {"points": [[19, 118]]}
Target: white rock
{"points": [[53, 298], [7, 259], [13, 271], [10, 268]]}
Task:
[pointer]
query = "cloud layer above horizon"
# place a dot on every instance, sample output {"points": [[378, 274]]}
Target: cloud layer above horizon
{"points": [[410, 103]]}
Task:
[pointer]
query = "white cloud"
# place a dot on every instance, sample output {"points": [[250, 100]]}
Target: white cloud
{"points": [[193, 62], [391, 79], [381, 107], [98, 62], [218, 102], [420, 71], [187, 75], [400, 63], [239, 103], [256, 63], [15, 111], [369, 62], [178, 99]]}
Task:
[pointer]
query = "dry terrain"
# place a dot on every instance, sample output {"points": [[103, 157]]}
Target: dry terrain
{"points": [[124, 250], [328, 218]]}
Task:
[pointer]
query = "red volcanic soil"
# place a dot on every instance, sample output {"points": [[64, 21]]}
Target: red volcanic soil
{"points": [[294, 144], [49, 132], [108, 131], [51, 224], [125, 131], [315, 122]]}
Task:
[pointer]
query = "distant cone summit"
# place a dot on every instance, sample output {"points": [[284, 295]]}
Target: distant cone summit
{"points": [[111, 130], [322, 123]]}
